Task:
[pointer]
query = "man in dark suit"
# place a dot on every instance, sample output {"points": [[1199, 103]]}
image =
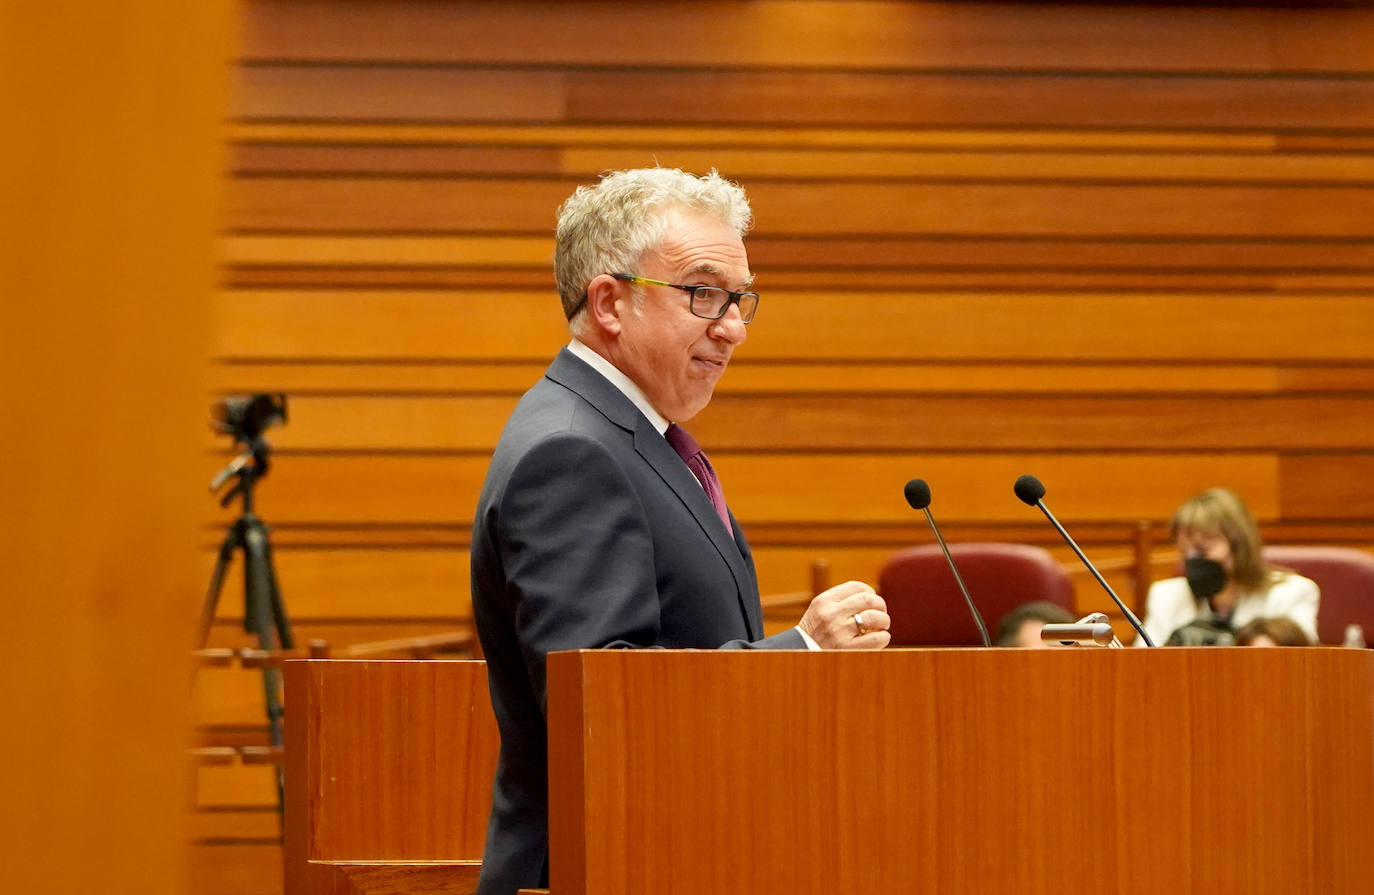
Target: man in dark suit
{"points": [[600, 524]]}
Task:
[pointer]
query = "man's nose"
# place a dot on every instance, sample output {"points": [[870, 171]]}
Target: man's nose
{"points": [[730, 325]]}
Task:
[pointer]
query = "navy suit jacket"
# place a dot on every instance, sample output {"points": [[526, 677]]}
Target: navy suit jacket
{"points": [[590, 532]]}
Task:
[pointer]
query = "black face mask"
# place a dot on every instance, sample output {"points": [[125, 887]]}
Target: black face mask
{"points": [[1206, 577]]}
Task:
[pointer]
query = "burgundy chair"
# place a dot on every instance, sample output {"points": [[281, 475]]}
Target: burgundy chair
{"points": [[927, 608], [1346, 578]]}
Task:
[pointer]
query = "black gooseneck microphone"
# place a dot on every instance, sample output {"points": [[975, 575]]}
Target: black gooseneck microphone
{"points": [[1032, 493], [918, 495]]}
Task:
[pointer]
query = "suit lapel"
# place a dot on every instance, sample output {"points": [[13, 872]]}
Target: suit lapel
{"points": [[569, 371], [753, 606], [660, 455]]}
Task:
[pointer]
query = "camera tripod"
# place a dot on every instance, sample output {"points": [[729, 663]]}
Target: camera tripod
{"points": [[264, 614]]}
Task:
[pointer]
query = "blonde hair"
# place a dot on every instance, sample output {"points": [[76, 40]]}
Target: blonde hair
{"points": [[1221, 511], [607, 227]]}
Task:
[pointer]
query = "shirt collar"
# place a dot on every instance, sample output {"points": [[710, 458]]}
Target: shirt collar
{"points": [[620, 381]]}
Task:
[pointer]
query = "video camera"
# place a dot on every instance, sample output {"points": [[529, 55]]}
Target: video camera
{"points": [[246, 417]]}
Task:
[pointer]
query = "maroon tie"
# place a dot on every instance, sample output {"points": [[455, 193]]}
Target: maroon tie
{"points": [[695, 458]]}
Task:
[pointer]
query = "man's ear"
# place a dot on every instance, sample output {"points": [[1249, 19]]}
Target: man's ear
{"points": [[607, 303]]}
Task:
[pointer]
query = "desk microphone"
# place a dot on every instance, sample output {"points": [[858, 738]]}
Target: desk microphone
{"points": [[918, 495], [1092, 628], [1032, 493]]}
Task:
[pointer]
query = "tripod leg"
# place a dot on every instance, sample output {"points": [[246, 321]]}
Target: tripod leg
{"points": [[258, 613], [207, 609], [279, 617]]}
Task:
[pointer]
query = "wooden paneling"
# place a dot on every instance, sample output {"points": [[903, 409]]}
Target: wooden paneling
{"points": [[248, 724], [762, 485], [235, 785], [1329, 486], [803, 420], [760, 164], [722, 98], [267, 93], [1351, 251], [470, 205], [1124, 247], [1075, 210], [989, 326], [678, 137], [764, 163], [783, 254], [823, 35], [910, 377], [379, 489], [1066, 423], [236, 868], [969, 100], [362, 583]]}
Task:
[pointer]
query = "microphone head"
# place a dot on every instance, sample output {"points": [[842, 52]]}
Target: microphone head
{"points": [[1029, 490], [917, 494]]}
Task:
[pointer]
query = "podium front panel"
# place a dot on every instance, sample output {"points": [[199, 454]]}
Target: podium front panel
{"points": [[971, 770]]}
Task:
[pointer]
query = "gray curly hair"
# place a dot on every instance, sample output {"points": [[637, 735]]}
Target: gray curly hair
{"points": [[606, 228]]}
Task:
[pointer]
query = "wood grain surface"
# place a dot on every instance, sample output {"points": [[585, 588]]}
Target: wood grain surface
{"points": [[960, 771], [386, 760]]}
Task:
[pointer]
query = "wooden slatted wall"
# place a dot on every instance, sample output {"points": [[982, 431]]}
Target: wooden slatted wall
{"points": [[1126, 248]]}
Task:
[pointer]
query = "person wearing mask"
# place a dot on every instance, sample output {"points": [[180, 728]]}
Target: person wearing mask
{"points": [[1225, 582]]}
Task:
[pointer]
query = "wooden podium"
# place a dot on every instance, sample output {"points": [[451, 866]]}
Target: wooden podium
{"points": [[962, 771], [909, 771], [389, 766]]}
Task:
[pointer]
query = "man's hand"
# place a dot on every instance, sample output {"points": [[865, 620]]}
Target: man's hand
{"points": [[848, 616]]}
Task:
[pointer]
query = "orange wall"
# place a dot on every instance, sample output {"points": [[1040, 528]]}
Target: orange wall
{"points": [[107, 228]]}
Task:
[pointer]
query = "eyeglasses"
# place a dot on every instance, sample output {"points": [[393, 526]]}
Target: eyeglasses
{"points": [[709, 302]]}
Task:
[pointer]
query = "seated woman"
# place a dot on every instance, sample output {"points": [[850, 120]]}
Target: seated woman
{"points": [[1225, 582]]}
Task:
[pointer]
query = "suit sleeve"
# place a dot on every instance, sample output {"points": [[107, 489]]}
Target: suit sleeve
{"points": [[577, 551]]}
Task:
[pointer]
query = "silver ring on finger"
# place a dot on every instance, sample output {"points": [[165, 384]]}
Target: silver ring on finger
{"points": [[859, 623]]}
